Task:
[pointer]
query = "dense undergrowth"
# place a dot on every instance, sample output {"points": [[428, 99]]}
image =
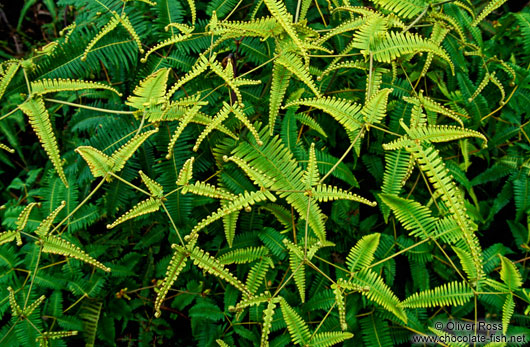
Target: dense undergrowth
{"points": [[266, 173]]}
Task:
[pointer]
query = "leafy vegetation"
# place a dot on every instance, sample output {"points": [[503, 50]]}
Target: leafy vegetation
{"points": [[265, 173]]}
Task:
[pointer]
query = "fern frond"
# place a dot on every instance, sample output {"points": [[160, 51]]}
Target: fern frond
{"points": [[339, 302], [176, 265], [149, 205], [378, 292], [6, 148], [16, 311], [362, 254], [350, 25], [30, 308], [490, 7], [350, 64], [186, 172], [329, 338], [257, 176], [206, 189], [443, 133], [253, 301], [199, 67], [39, 119], [449, 294], [23, 217], [242, 201], [296, 263], [431, 105], [298, 329], [344, 111], [480, 88], [280, 81], [184, 121], [55, 245], [295, 65], [257, 273], [211, 265], [311, 174], [230, 224], [285, 19], [397, 168], [126, 23], [46, 86], [10, 235], [121, 155], [154, 188], [244, 255], [98, 162], [7, 76], [268, 314], [323, 192], [507, 312], [406, 9], [46, 223], [53, 335], [227, 74], [150, 91], [310, 123], [112, 23], [397, 44], [509, 274], [217, 120], [168, 42], [414, 217], [374, 109], [437, 36], [238, 112]]}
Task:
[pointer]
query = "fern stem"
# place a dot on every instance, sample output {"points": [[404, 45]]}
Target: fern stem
{"points": [[416, 20], [88, 107], [287, 280], [129, 183], [322, 321], [311, 265], [79, 206], [342, 157], [33, 278], [9, 113], [306, 225], [297, 14], [173, 224], [173, 191]]}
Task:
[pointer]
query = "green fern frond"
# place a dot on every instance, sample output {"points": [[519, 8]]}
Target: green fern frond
{"points": [[244, 255], [253, 301], [449, 294], [227, 74], [39, 119], [285, 19], [238, 112], [298, 329], [362, 254], [296, 66], [184, 121], [10, 235], [374, 109], [45, 225], [211, 265], [217, 120], [329, 338], [310, 123], [46, 86], [55, 245], [121, 155], [510, 274], [98, 162], [268, 314], [350, 25], [143, 207], [6, 148], [23, 217], [257, 176], [350, 64], [311, 174], [264, 27], [378, 292], [176, 265], [344, 111], [242, 201], [150, 91], [323, 192], [107, 28], [397, 169], [186, 172], [90, 314], [126, 23], [30, 308], [414, 217], [507, 312], [406, 9], [439, 32], [54, 335], [184, 28], [339, 302], [257, 273], [431, 105], [16, 311], [395, 45], [154, 188], [490, 7], [206, 189], [480, 88], [199, 67], [230, 224], [7, 76], [467, 263], [297, 265], [280, 81]]}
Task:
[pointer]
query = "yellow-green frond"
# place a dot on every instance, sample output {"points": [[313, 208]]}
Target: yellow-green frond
{"points": [[8, 236], [280, 81], [296, 66], [186, 172], [206, 189], [329, 338], [7, 76], [375, 108], [490, 7], [150, 91], [298, 329], [154, 188], [107, 28], [168, 42], [217, 120], [23, 217], [55, 85], [46, 224], [143, 207], [510, 274], [449, 294], [362, 254], [120, 156], [323, 192], [98, 162], [176, 265], [311, 174]]}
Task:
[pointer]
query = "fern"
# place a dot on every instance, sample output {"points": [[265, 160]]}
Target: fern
{"points": [[449, 294]]}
